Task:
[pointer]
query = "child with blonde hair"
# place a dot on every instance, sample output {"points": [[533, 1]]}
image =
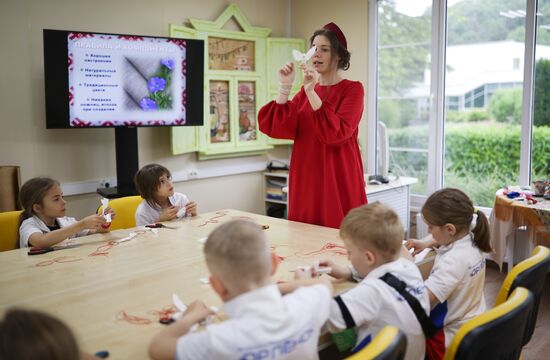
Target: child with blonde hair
{"points": [[373, 236], [262, 323], [460, 236], [43, 222], [160, 202]]}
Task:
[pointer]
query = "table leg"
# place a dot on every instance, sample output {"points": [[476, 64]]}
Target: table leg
{"points": [[510, 244]]}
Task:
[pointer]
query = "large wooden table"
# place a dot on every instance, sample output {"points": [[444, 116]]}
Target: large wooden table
{"points": [[138, 277]]}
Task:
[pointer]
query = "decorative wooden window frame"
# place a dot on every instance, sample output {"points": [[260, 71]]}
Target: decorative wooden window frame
{"points": [[262, 73]]}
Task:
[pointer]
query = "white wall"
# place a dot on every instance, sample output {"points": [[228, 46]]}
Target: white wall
{"points": [[76, 155]]}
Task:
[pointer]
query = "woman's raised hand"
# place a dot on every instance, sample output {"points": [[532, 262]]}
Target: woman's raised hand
{"points": [[287, 74], [311, 77]]}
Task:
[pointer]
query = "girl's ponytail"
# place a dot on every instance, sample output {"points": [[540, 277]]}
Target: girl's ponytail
{"points": [[482, 237], [453, 206]]}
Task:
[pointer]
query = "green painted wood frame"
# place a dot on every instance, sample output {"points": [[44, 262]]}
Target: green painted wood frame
{"points": [[269, 55]]}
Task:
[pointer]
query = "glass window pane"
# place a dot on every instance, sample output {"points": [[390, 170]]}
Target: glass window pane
{"points": [[540, 147], [404, 46], [484, 55]]}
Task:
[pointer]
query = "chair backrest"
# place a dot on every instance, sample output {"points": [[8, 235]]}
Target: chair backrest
{"points": [[495, 334], [530, 274], [389, 344], [9, 228], [10, 182], [125, 209]]}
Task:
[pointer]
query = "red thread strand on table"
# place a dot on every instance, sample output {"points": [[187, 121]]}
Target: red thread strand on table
{"points": [[136, 320], [328, 247], [104, 249], [280, 258], [59, 260], [165, 313], [242, 218], [214, 219]]}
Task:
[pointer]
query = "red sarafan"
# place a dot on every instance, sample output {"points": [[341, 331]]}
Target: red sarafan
{"points": [[326, 174]]}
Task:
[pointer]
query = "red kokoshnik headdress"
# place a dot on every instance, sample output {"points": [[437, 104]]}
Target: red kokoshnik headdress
{"points": [[339, 34]]}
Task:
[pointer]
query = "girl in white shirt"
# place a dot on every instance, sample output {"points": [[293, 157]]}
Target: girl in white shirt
{"points": [[460, 236], [43, 222], [160, 202]]}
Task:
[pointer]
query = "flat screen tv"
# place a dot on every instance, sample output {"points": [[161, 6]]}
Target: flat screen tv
{"points": [[95, 79], [111, 80]]}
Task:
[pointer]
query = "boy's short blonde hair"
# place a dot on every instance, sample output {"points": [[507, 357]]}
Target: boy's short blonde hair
{"points": [[375, 227], [237, 252]]}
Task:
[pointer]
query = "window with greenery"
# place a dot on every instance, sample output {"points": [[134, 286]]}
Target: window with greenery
{"points": [[404, 43], [483, 80], [540, 146], [482, 141]]}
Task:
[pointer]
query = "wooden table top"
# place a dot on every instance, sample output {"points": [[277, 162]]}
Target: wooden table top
{"points": [[97, 287]]}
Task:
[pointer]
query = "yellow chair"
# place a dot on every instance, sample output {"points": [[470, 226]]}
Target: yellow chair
{"points": [[125, 209], [389, 344], [9, 229], [495, 334], [530, 274]]}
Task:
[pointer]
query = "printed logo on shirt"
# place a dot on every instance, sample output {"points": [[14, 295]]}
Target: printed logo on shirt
{"points": [[419, 290], [474, 270], [277, 349]]}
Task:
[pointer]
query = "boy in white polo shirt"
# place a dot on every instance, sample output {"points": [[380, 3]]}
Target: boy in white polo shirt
{"points": [[373, 236], [262, 323]]}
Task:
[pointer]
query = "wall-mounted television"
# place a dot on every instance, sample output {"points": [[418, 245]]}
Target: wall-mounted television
{"points": [[95, 79]]}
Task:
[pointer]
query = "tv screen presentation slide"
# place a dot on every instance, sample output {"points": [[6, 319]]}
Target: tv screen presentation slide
{"points": [[120, 80]]}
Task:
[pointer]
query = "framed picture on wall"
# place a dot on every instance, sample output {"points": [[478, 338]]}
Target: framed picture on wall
{"points": [[219, 111], [230, 54], [247, 110]]}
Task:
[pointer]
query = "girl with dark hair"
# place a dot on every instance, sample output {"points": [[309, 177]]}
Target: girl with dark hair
{"points": [[43, 222], [160, 202], [460, 236], [326, 173]]}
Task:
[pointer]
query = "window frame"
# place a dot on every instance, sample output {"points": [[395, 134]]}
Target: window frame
{"points": [[436, 143]]}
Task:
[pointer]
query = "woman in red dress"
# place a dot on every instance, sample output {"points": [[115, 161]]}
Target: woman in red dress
{"points": [[326, 172]]}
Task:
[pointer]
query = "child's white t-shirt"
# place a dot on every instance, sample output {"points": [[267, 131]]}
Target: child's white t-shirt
{"points": [[145, 214], [263, 324], [457, 280], [36, 225], [374, 304]]}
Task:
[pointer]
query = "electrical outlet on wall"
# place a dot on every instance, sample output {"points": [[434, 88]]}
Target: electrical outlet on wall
{"points": [[104, 183], [192, 174]]}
